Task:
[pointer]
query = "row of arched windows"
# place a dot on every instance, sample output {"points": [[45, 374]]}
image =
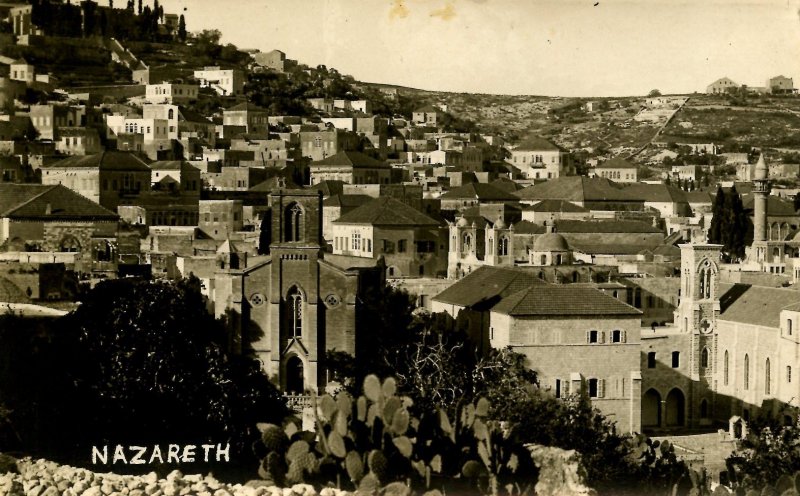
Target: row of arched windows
{"points": [[746, 373]]}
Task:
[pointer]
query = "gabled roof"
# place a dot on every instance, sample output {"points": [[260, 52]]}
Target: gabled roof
{"points": [[273, 183], [556, 300], [246, 106], [386, 211], [32, 201], [487, 285], [479, 191], [536, 144], [557, 206], [329, 187], [567, 226], [176, 165], [661, 193], [576, 189], [617, 163], [342, 200], [352, 159], [506, 184], [755, 305], [111, 160], [775, 205], [190, 115], [698, 196], [428, 109]]}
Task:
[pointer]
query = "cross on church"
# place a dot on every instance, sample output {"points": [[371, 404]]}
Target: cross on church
{"points": [[705, 325]]}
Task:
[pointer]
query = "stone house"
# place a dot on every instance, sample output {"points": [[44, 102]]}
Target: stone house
{"points": [[411, 243]]}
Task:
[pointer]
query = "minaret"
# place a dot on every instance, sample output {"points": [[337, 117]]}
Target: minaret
{"points": [[760, 194]]}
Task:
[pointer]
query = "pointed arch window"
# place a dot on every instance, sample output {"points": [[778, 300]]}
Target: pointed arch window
{"points": [[467, 242], [294, 300], [502, 246], [725, 368], [704, 358], [294, 220], [746, 372], [767, 378]]}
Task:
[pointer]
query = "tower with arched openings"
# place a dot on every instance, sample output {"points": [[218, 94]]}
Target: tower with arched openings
{"points": [[296, 303]]}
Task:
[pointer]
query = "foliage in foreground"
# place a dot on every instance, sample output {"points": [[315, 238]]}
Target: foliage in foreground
{"points": [[138, 363], [768, 459], [377, 440]]}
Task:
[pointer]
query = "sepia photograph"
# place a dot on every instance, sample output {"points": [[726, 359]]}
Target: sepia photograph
{"points": [[399, 248]]}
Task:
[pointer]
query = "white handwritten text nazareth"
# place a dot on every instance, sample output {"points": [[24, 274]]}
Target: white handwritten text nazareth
{"points": [[175, 453]]}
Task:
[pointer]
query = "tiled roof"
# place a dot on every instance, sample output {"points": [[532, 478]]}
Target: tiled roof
{"points": [[342, 200], [556, 300], [505, 184], [192, 116], [656, 193], [428, 109], [250, 107], [386, 211], [698, 196], [756, 305], [274, 183], [610, 248], [617, 163], [112, 160], [31, 201], [330, 187], [576, 189], [353, 159], [604, 226], [178, 165], [556, 206], [565, 226], [536, 144], [775, 205], [479, 191], [487, 285]]}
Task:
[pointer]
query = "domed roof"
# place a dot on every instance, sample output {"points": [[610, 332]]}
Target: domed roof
{"points": [[550, 242], [500, 223], [462, 222]]}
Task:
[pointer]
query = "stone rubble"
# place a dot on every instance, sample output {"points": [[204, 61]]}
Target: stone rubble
{"points": [[46, 478]]}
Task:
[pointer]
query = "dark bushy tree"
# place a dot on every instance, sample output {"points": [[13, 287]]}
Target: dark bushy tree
{"points": [[143, 363]]}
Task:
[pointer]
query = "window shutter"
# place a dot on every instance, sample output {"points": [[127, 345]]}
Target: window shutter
{"points": [[602, 338], [601, 387], [624, 336], [566, 386], [588, 338]]}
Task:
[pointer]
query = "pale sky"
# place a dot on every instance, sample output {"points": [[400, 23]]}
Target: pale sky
{"points": [[533, 47]]}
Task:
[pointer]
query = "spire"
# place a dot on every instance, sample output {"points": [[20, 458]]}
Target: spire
{"points": [[761, 168]]}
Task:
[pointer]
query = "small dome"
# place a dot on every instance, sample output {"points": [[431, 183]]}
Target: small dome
{"points": [[462, 222], [550, 242], [500, 223]]}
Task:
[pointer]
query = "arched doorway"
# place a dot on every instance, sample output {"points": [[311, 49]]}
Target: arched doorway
{"points": [[676, 407], [651, 409], [294, 375]]}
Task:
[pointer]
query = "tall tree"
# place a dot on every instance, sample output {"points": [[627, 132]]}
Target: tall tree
{"points": [[140, 10], [182, 28], [718, 219], [738, 226]]}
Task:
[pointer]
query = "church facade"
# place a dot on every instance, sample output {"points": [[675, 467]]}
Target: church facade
{"points": [[297, 303]]}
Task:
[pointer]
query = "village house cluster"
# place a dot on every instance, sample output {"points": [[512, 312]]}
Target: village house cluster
{"points": [[605, 282]]}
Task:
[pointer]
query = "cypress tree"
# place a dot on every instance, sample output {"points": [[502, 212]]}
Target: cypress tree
{"points": [[182, 28], [718, 218], [738, 226]]}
